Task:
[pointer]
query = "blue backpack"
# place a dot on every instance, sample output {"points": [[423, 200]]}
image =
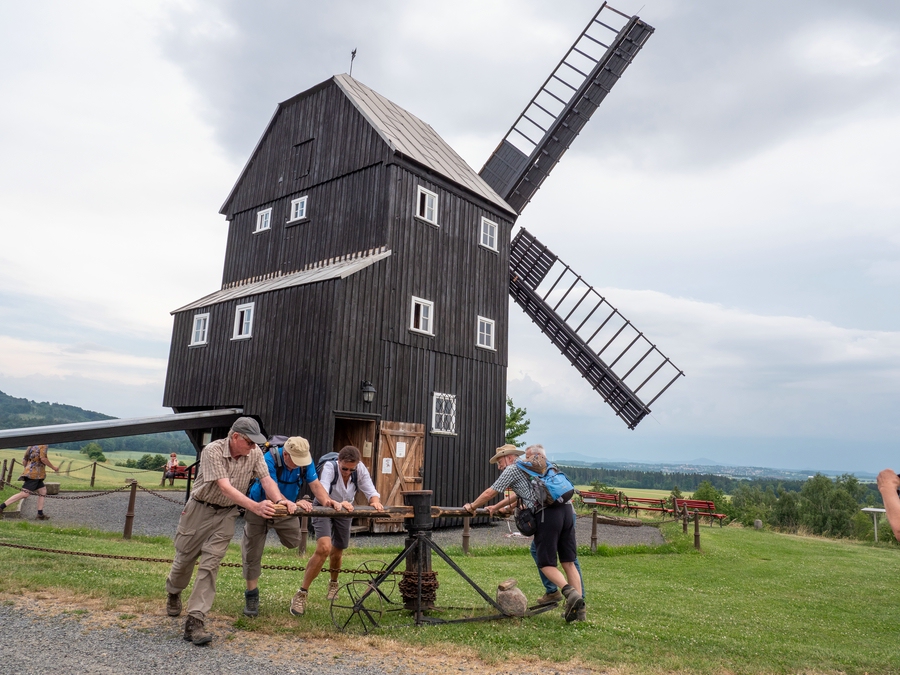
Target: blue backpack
{"points": [[553, 487]]}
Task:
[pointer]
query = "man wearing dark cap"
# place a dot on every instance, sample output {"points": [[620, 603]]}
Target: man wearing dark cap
{"points": [[290, 466], [207, 522], [555, 535]]}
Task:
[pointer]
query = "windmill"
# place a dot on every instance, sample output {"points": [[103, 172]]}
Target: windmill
{"points": [[364, 297]]}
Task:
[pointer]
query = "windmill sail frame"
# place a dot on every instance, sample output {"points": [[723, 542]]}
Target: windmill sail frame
{"points": [[556, 307], [563, 105]]}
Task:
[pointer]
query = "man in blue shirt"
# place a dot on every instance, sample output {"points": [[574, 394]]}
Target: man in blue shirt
{"points": [[290, 466]]}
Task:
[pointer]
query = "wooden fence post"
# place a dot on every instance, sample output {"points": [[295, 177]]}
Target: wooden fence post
{"points": [[12, 464], [129, 515], [93, 473], [697, 530], [684, 520], [3, 476], [465, 535], [594, 531], [304, 531]]}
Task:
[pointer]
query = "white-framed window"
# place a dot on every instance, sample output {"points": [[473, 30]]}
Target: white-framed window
{"points": [[199, 332], [421, 317], [426, 205], [488, 234], [485, 333], [298, 209], [443, 414], [243, 322], [263, 220]]}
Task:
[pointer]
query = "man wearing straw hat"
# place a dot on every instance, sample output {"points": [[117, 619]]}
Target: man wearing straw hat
{"points": [[555, 535]]}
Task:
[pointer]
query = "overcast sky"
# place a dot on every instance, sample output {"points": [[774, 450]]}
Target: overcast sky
{"points": [[735, 197]]}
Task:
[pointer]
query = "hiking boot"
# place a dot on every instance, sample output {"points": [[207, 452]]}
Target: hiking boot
{"points": [[173, 604], [333, 587], [581, 614], [251, 603], [194, 632], [298, 604], [550, 598], [574, 603], [43, 516]]}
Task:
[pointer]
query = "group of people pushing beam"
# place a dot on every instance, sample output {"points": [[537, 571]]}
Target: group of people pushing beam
{"points": [[234, 472]]}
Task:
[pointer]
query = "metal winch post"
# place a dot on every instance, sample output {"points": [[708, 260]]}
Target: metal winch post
{"points": [[419, 584]]}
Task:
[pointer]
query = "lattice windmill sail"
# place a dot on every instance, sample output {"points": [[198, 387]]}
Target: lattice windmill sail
{"points": [[574, 316], [563, 105], [520, 164]]}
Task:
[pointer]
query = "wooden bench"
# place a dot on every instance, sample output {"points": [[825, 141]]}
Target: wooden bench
{"points": [[609, 500], [704, 508], [180, 472], [646, 504]]}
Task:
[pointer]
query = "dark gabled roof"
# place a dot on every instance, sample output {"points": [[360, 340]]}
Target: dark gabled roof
{"points": [[404, 133]]}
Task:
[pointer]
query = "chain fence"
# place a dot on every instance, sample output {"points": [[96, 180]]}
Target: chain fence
{"points": [[169, 561]]}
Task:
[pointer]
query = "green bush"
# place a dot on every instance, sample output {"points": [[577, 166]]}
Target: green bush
{"points": [[828, 507], [94, 452]]}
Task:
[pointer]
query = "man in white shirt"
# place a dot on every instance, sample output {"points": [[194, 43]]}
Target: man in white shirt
{"points": [[342, 478]]}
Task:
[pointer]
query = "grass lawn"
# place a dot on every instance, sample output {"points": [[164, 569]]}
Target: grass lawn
{"points": [[751, 602]]}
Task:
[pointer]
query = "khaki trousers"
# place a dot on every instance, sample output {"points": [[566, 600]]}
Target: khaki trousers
{"points": [[255, 531], [203, 532]]}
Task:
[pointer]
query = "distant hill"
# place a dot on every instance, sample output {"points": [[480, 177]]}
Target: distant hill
{"points": [[16, 413]]}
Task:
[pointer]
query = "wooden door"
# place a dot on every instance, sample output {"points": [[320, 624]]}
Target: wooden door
{"points": [[398, 467]]}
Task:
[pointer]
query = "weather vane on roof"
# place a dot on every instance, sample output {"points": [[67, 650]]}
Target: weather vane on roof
{"points": [[352, 56]]}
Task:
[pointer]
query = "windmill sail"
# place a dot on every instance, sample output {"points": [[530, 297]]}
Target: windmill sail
{"points": [[616, 359], [564, 104]]}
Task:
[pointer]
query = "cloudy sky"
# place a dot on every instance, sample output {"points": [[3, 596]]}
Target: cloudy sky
{"points": [[735, 197]]}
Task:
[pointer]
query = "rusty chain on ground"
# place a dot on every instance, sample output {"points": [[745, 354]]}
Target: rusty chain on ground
{"points": [[168, 561]]}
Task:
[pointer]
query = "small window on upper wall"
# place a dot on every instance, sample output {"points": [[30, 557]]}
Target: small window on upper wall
{"points": [[485, 333], [263, 221], [488, 234], [426, 205], [201, 325], [443, 414], [243, 322], [422, 316], [298, 209]]}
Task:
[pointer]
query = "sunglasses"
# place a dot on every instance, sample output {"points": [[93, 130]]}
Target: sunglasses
{"points": [[345, 469]]}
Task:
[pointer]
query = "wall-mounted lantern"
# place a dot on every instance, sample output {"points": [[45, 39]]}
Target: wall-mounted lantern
{"points": [[368, 391]]}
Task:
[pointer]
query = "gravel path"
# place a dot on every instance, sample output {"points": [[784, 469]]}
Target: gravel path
{"points": [[46, 634], [155, 516]]}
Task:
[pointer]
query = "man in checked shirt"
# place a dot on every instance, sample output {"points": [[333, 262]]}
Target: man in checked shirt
{"points": [[207, 522]]}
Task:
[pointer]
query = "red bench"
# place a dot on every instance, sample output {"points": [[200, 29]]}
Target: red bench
{"points": [[609, 500], [646, 504], [704, 508]]}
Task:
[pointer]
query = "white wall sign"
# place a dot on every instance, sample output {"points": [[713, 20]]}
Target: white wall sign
{"points": [[367, 449], [401, 449], [387, 465]]}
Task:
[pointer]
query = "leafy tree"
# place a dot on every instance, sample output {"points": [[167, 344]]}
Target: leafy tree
{"points": [[151, 462], [94, 452], [516, 423], [827, 507], [750, 503], [600, 486], [786, 512]]}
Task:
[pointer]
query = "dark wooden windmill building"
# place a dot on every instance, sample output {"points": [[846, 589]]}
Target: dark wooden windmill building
{"points": [[364, 297]]}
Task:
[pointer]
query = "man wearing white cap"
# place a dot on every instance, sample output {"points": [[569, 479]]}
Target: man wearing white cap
{"points": [[290, 466], [207, 522]]}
